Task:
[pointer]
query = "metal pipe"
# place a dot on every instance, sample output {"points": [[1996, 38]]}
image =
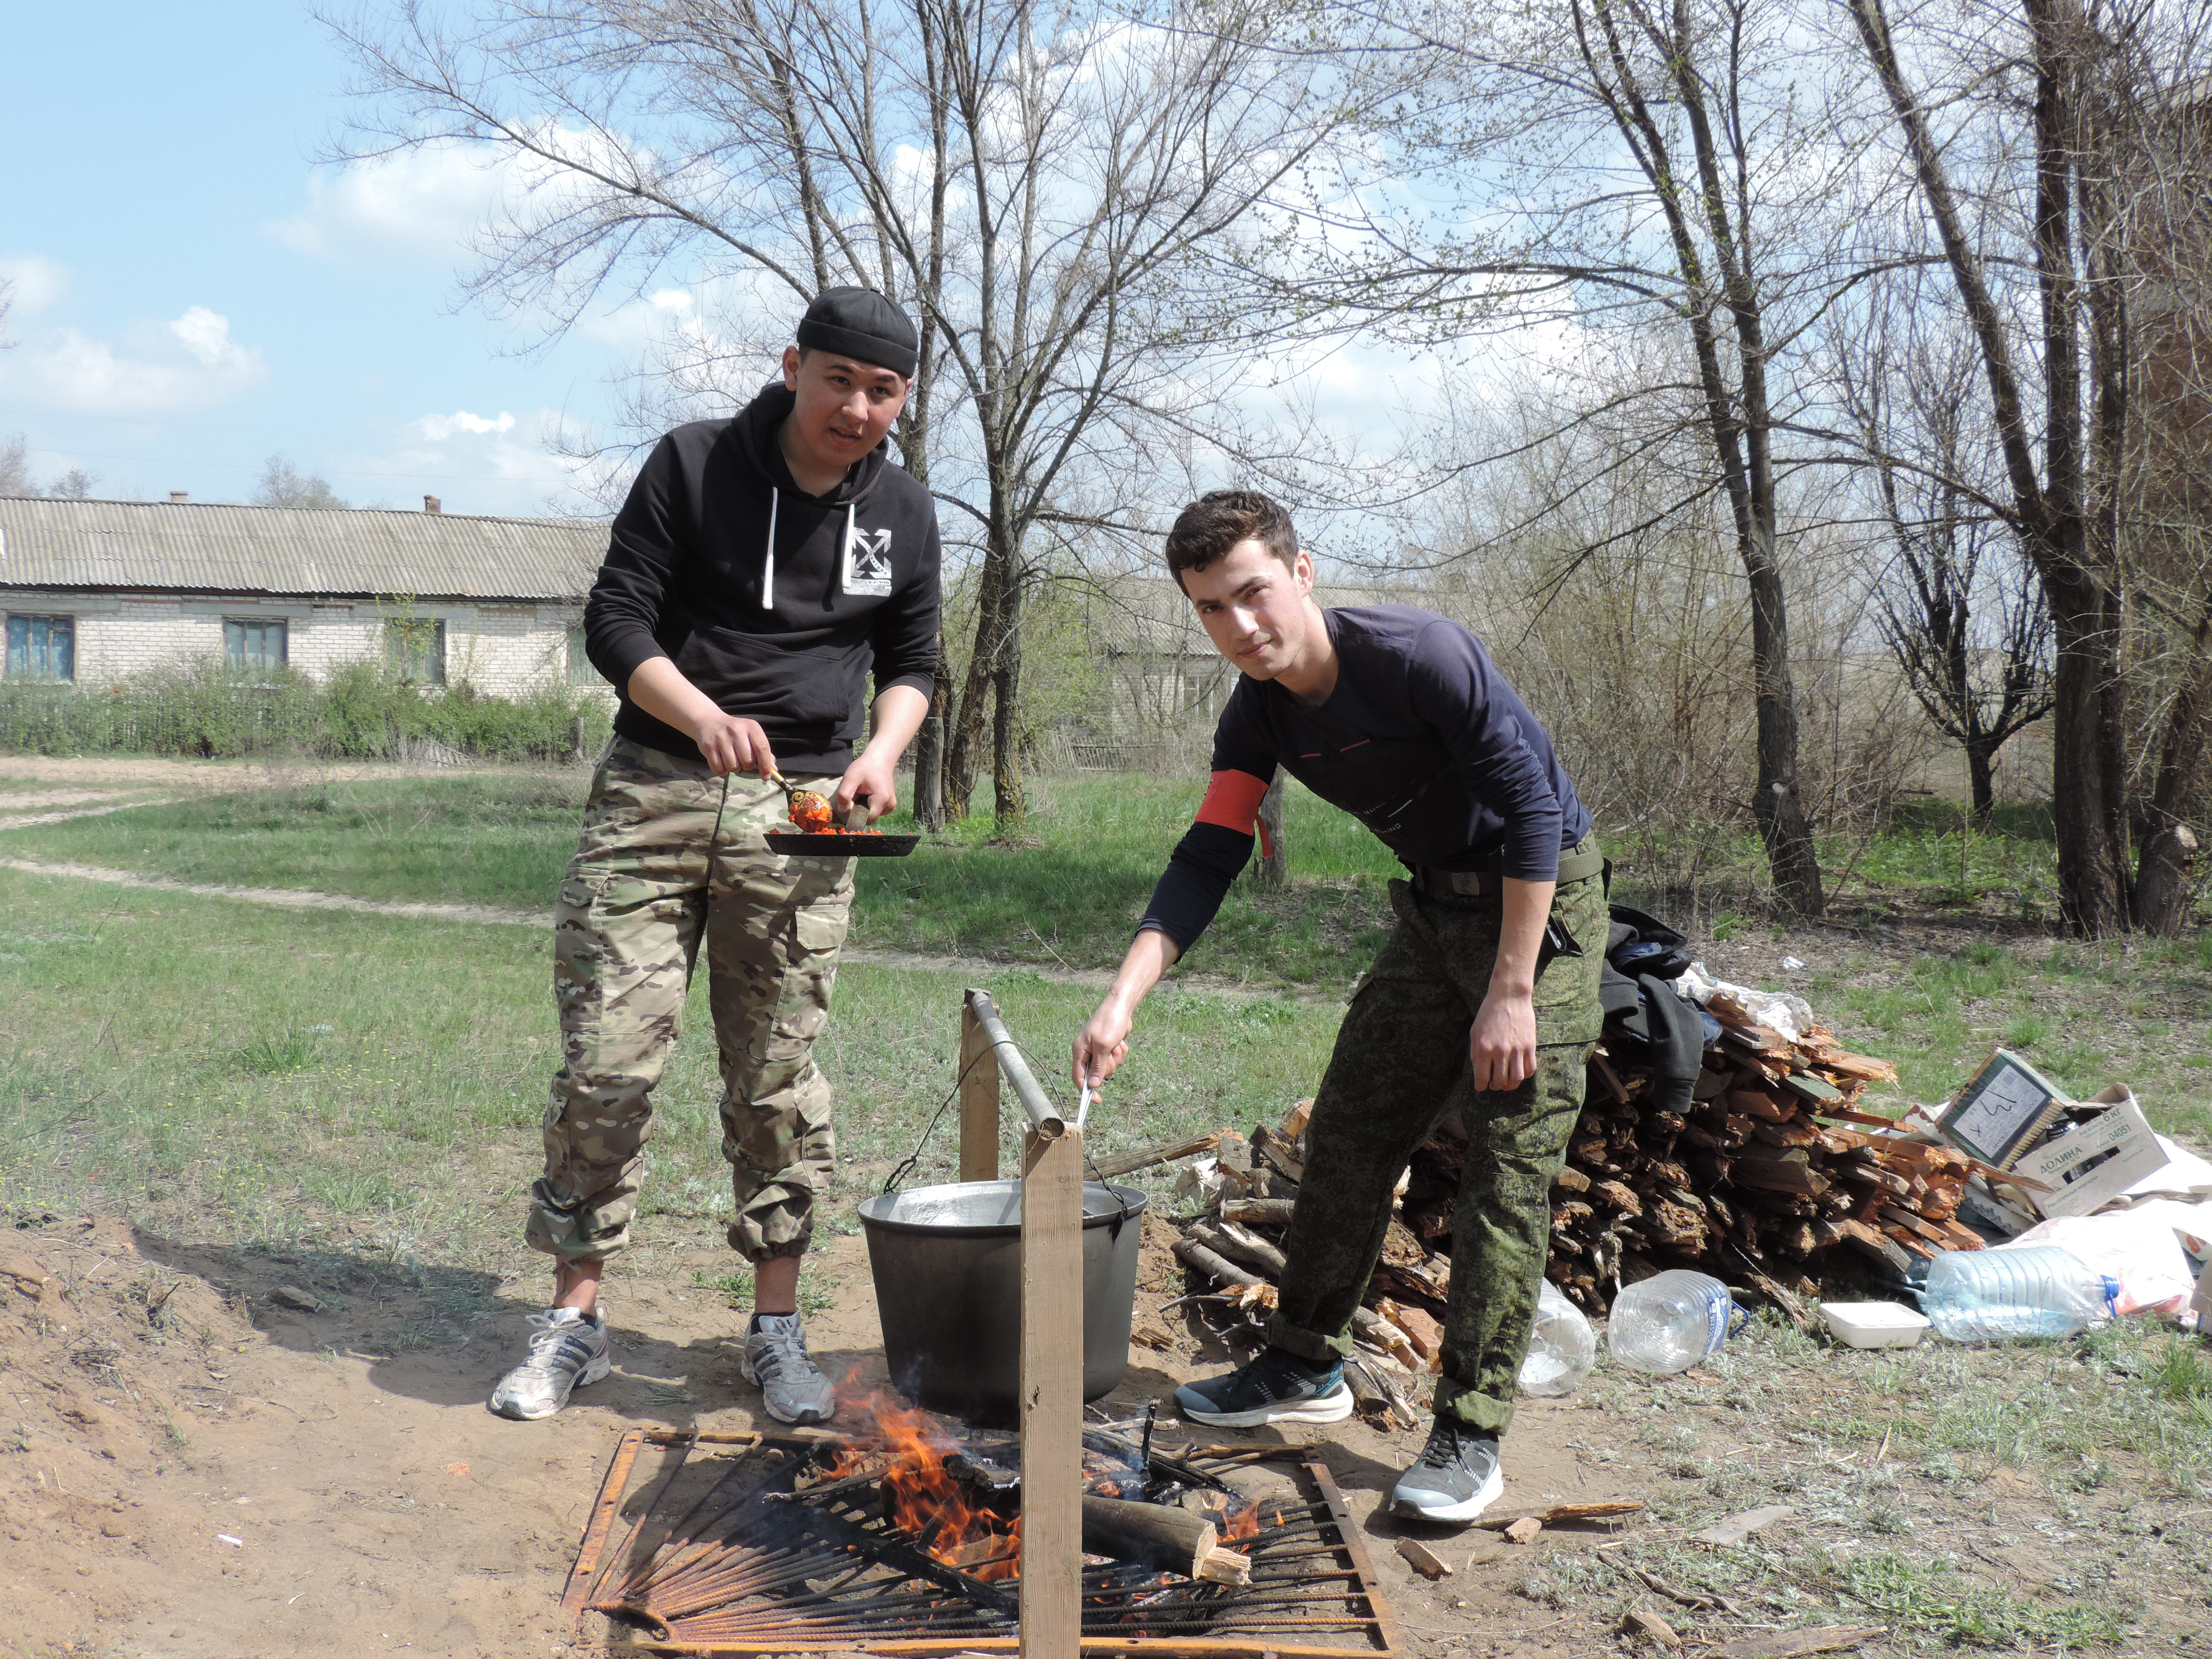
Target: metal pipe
{"points": [[1044, 1116]]}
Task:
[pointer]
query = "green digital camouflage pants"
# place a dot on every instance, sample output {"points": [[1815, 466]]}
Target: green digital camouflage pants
{"points": [[671, 854], [1400, 1062]]}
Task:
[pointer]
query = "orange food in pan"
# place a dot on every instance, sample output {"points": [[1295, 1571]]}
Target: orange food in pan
{"points": [[810, 813]]}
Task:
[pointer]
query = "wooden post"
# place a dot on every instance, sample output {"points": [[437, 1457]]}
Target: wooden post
{"points": [[979, 1099], [1052, 1395]]}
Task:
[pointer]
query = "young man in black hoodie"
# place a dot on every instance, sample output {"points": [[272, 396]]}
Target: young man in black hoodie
{"points": [[761, 570]]}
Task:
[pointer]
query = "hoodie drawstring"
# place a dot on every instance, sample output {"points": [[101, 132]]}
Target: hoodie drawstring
{"points": [[768, 565], [845, 552]]}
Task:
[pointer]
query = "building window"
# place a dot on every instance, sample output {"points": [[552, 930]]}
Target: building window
{"points": [[414, 649], [580, 672], [41, 648], [253, 642]]}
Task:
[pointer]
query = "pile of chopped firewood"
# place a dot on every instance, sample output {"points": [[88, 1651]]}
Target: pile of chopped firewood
{"points": [[1772, 1180]]}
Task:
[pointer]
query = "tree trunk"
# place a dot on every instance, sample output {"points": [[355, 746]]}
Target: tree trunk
{"points": [[2170, 850], [1010, 799], [1273, 870], [929, 762], [1778, 807], [1981, 750], [964, 757], [2087, 757]]}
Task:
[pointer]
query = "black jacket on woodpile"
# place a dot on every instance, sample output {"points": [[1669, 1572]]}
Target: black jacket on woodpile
{"points": [[1641, 954]]}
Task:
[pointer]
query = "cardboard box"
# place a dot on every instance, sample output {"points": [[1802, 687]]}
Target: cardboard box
{"points": [[2097, 1161]]}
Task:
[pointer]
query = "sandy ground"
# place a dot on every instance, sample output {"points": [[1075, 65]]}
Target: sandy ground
{"points": [[195, 1469]]}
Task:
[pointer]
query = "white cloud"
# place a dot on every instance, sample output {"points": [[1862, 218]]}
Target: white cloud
{"points": [[190, 362], [36, 281], [436, 428], [473, 462], [415, 206]]}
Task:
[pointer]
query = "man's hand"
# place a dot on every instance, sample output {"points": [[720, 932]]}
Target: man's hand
{"points": [[1502, 1047], [1102, 1044], [869, 778], [733, 744]]}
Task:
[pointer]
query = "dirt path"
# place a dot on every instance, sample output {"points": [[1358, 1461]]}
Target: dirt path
{"points": [[287, 898], [307, 899]]}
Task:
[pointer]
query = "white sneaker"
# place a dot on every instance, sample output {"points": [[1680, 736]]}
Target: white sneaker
{"points": [[567, 1351], [791, 1385]]}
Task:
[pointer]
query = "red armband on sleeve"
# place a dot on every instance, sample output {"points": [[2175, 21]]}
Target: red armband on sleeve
{"points": [[1232, 801]]}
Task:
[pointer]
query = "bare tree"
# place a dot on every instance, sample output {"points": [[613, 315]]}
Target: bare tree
{"points": [[2057, 151], [1957, 604], [1054, 190], [283, 484], [1654, 177]]}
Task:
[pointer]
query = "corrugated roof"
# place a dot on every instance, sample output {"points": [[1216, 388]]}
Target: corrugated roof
{"points": [[196, 547]]}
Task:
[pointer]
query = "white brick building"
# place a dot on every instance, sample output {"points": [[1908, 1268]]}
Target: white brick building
{"points": [[94, 592]]}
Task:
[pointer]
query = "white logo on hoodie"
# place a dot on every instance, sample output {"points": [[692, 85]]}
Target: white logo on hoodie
{"points": [[868, 563]]}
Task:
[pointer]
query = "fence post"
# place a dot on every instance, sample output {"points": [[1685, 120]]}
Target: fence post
{"points": [[1051, 1384], [1052, 1395], [979, 1099]]}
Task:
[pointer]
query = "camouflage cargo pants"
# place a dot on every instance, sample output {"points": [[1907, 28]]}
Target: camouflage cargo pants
{"points": [[669, 857], [1400, 1063]]}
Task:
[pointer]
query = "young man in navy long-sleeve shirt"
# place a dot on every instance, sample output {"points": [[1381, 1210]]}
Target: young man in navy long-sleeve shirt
{"points": [[1484, 997]]}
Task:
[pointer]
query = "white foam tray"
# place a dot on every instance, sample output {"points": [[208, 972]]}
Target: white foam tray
{"points": [[1875, 1324]]}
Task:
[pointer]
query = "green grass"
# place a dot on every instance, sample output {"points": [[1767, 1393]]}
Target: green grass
{"points": [[502, 837], [270, 1076], [2086, 1015]]}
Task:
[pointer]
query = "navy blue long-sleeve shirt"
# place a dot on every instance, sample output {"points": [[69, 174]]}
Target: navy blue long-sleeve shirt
{"points": [[1422, 740]]}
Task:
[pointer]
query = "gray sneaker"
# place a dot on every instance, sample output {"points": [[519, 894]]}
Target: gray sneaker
{"points": [[1456, 1478], [567, 1351], [791, 1385]]}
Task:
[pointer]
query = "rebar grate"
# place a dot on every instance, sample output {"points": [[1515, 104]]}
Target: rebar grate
{"points": [[747, 1569]]}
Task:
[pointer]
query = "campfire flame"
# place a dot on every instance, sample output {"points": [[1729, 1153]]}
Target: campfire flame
{"points": [[921, 1492], [1244, 1523]]}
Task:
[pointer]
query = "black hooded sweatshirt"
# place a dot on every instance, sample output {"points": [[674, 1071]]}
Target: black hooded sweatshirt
{"points": [[775, 603]]}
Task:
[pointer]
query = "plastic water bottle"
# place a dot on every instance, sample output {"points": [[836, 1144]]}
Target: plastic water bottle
{"points": [[1994, 1296], [1670, 1322], [1561, 1347]]}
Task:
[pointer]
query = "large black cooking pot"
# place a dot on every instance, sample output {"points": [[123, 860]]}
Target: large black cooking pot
{"points": [[947, 1265]]}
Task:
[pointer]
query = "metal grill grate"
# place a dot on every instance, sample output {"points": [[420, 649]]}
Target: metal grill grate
{"points": [[740, 1571]]}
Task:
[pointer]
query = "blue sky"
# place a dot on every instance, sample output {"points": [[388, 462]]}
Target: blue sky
{"points": [[194, 292]]}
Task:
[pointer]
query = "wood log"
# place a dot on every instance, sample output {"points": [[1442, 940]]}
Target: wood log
{"points": [[1619, 1196], [1870, 1241], [1259, 1211], [1756, 1102], [1166, 1151], [1793, 1132], [1250, 1251], [1157, 1536], [1871, 1175], [1777, 1176], [1571, 1180], [1601, 1069], [1277, 1154], [1196, 1254]]}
